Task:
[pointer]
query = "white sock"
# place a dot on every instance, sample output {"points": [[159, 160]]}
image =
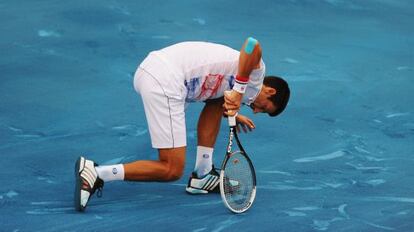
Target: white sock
{"points": [[204, 160], [111, 172]]}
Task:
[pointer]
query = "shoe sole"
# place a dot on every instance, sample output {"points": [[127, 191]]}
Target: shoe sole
{"points": [[194, 191], [78, 183]]}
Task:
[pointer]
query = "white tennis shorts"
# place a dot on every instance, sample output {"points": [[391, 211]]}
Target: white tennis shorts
{"points": [[164, 103]]}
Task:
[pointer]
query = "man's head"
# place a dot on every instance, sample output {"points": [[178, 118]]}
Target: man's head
{"points": [[273, 96]]}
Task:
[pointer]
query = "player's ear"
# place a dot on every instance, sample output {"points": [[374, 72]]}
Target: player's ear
{"points": [[270, 91]]}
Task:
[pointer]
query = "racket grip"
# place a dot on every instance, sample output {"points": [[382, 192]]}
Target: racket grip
{"points": [[232, 120]]}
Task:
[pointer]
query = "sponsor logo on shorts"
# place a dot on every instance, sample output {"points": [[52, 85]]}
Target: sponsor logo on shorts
{"points": [[114, 171], [206, 156]]}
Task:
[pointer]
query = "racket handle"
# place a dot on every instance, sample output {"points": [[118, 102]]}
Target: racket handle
{"points": [[232, 120]]}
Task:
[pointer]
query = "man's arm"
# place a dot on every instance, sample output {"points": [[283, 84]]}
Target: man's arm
{"points": [[249, 59]]}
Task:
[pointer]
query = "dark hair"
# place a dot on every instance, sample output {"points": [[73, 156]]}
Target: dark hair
{"points": [[281, 98]]}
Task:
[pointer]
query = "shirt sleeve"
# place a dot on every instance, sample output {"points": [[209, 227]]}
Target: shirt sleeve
{"points": [[255, 84]]}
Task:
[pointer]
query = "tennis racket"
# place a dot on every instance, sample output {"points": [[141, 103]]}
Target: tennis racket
{"points": [[237, 175]]}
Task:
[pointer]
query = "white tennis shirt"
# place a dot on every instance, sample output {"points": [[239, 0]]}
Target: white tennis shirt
{"points": [[206, 70]]}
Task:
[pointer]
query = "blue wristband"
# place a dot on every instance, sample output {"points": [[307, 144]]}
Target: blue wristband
{"points": [[251, 43]]}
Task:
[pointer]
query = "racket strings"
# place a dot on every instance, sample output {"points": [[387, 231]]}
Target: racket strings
{"points": [[238, 181]]}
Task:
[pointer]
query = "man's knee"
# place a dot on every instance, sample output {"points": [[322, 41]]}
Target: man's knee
{"points": [[174, 160], [174, 173]]}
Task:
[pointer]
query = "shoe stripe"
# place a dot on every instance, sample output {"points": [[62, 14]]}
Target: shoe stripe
{"points": [[93, 179], [210, 179], [212, 182], [89, 176], [215, 184], [209, 183], [92, 171], [87, 179], [206, 183]]}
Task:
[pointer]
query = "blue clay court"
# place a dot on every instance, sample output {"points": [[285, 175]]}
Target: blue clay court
{"points": [[340, 158]]}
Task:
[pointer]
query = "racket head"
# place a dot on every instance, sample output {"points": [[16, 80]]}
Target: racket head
{"points": [[237, 182]]}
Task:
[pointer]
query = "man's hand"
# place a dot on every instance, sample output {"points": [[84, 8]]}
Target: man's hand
{"points": [[232, 102], [243, 122]]}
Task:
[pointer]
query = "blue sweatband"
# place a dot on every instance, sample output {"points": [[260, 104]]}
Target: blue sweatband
{"points": [[251, 43]]}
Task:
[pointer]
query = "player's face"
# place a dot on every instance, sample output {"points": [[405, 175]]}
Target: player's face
{"points": [[265, 106], [262, 104]]}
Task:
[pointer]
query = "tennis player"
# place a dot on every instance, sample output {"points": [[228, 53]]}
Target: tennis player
{"points": [[167, 80]]}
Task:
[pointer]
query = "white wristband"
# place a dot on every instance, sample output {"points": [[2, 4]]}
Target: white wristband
{"points": [[241, 88]]}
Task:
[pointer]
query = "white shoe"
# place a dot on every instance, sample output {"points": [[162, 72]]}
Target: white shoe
{"points": [[87, 182], [208, 184]]}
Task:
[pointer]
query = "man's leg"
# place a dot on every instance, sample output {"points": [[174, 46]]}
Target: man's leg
{"points": [[207, 130], [165, 115], [209, 122], [169, 167], [166, 122], [204, 178], [90, 177]]}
